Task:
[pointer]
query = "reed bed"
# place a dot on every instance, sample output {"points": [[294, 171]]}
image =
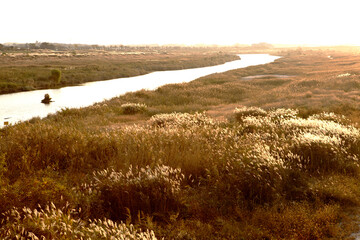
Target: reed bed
{"points": [[277, 162], [179, 167]]}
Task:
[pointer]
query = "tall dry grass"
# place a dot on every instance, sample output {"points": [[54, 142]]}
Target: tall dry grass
{"points": [[181, 166], [259, 173]]}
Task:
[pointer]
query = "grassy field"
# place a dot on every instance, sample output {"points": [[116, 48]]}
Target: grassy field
{"points": [[222, 157], [23, 71]]}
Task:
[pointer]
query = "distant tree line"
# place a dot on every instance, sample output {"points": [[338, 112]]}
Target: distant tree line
{"points": [[120, 47], [71, 47], [262, 45]]}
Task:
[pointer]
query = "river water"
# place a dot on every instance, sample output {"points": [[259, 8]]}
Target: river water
{"points": [[23, 106]]}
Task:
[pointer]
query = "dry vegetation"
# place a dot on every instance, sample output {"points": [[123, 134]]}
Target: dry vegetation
{"points": [[21, 71], [272, 158]]}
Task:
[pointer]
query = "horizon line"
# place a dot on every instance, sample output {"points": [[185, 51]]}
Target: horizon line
{"points": [[192, 44]]}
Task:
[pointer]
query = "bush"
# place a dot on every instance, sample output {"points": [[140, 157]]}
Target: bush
{"points": [[318, 153], [341, 119], [296, 221], [55, 76], [322, 153], [41, 145], [8, 87], [140, 190], [133, 108], [255, 177], [184, 120], [55, 223], [34, 190], [242, 112]]}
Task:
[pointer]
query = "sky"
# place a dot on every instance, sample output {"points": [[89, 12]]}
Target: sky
{"points": [[223, 22]]}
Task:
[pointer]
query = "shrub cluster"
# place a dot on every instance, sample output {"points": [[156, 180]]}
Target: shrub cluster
{"points": [[32, 147], [320, 143], [55, 75], [123, 196], [54, 223], [243, 112], [133, 108], [181, 120]]}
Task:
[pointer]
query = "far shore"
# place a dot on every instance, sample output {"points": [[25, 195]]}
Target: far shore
{"points": [[25, 71]]}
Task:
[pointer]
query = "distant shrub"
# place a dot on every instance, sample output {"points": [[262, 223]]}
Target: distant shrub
{"points": [[181, 120], [242, 112], [343, 75], [8, 86], [55, 223], [55, 75], [330, 117], [133, 108], [283, 113], [257, 113]]}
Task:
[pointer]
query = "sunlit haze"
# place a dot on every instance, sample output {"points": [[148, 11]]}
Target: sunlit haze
{"points": [[180, 22]]}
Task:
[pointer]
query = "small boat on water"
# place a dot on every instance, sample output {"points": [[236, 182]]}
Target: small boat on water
{"points": [[47, 99]]}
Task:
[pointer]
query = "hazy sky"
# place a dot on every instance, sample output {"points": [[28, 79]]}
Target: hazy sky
{"points": [[181, 21]]}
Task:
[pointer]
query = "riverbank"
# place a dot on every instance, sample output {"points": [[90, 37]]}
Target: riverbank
{"points": [[26, 105], [258, 172], [26, 71]]}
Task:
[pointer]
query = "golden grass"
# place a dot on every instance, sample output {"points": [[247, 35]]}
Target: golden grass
{"points": [[261, 171]]}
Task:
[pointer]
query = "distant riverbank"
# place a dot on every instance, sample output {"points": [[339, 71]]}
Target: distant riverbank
{"points": [[25, 105], [24, 72]]}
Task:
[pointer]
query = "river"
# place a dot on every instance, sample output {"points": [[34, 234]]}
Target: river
{"points": [[23, 106]]}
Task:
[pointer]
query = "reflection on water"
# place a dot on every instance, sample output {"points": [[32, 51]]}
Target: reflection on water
{"points": [[26, 105]]}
